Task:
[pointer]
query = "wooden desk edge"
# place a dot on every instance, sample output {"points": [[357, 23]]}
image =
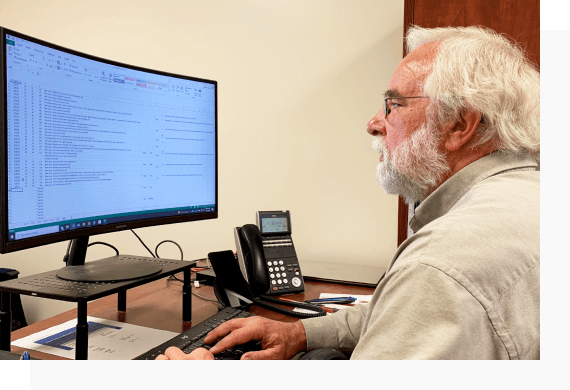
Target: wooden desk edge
{"points": [[150, 293], [344, 282]]}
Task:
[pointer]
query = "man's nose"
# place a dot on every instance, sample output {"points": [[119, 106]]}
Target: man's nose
{"points": [[377, 125]]}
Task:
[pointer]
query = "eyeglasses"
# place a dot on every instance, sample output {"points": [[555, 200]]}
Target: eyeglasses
{"points": [[388, 110]]}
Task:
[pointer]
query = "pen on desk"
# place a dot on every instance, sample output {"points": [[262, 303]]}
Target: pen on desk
{"points": [[337, 300], [348, 303], [332, 299], [25, 356]]}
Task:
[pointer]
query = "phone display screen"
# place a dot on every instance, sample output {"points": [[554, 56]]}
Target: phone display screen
{"points": [[274, 224]]}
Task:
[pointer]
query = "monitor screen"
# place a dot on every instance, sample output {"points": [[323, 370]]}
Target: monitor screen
{"points": [[92, 146]]}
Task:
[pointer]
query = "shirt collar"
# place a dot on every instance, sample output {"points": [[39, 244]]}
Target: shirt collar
{"points": [[446, 195]]}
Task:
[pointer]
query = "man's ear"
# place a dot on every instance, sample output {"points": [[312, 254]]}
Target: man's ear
{"points": [[460, 132]]}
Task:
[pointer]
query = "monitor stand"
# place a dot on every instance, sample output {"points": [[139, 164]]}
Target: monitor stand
{"points": [[112, 269], [48, 285]]}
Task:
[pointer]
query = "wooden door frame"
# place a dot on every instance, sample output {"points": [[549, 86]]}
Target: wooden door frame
{"points": [[402, 206]]}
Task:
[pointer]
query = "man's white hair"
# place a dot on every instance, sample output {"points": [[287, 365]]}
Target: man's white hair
{"points": [[476, 68]]}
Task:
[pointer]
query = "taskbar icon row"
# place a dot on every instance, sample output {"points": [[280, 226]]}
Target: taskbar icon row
{"points": [[196, 210], [82, 224]]}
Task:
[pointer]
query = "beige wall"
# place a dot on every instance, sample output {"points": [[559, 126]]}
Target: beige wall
{"points": [[298, 81]]}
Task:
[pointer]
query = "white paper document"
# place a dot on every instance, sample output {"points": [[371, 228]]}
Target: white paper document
{"points": [[108, 340], [359, 299]]}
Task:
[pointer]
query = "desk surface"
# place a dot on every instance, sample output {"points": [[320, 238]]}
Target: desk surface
{"points": [[159, 305], [357, 274]]}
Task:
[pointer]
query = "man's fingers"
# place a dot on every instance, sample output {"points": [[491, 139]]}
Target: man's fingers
{"points": [[161, 357], [175, 353], [200, 354], [279, 340], [238, 336], [265, 354], [236, 331], [224, 329]]}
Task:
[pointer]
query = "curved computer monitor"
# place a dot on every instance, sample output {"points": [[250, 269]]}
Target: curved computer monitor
{"points": [[91, 146]]}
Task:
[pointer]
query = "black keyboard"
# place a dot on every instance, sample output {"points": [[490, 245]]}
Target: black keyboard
{"points": [[194, 338]]}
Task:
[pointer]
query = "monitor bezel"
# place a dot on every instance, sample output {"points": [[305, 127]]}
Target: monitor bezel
{"points": [[32, 242]]}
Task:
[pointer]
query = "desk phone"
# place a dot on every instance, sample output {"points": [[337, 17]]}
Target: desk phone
{"points": [[266, 265], [277, 258]]}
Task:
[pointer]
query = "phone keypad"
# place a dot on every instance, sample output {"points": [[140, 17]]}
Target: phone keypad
{"points": [[285, 276], [282, 264]]}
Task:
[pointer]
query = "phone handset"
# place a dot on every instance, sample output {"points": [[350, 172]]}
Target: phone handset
{"points": [[254, 259]]}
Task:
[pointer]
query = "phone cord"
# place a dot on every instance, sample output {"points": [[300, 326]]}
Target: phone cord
{"points": [[261, 302]]}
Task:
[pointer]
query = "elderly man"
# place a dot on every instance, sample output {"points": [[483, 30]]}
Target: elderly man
{"points": [[459, 132]]}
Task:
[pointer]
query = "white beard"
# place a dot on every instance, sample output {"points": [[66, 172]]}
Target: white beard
{"points": [[416, 168]]}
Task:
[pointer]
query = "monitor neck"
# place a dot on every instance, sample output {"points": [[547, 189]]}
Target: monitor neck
{"points": [[78, 251]]}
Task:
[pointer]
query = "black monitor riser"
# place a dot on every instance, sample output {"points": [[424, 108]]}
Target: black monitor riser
{"points": [[91, 289]]}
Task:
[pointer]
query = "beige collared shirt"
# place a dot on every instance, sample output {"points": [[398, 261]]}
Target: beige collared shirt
{"points": [[465, 285]]}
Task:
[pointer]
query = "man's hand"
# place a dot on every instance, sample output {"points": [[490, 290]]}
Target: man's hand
{"points": [[174, 353], [279, 340]]}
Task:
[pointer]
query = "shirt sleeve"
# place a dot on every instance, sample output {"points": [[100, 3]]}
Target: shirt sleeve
{"points": [[421, 312], [340, 330]]}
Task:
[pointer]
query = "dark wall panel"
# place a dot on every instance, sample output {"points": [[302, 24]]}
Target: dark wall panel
{"points": [[518, 19]]}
